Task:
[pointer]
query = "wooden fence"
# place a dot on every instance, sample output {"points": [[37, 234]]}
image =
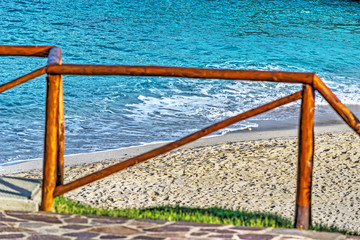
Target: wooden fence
{"points": [[53, 165]]}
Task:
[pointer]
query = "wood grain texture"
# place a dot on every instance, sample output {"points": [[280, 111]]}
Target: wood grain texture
{"points": [[76, 69], [168, 147], [305, 159], [51, 143], [31, 51], [61, 136]]}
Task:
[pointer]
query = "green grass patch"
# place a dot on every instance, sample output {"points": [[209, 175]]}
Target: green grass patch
{"points": [[209, 215]]}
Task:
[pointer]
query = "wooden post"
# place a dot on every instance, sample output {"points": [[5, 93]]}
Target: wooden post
{"points": [[51, 142], [61, 136], [305, 159]]}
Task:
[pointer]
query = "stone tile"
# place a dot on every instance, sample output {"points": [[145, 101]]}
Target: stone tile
{"points": [[33, 225], [46, 237], [168, 228], [108, 220], [245, 228], [7, 219], [148, 238], [216, 230], [76, 220], [115, 230], [308, 234], [12, 236], [256, 236], [143, 224], [82, 235], [112, 237], [15, 229], [58, 214], [9, 212], [285, 231], [221, 236], [291, 238], [55, 231], [41, 225], [171, 235], [34, 217], [153, 221], [195, 224], [76, 226], [199, 233]]}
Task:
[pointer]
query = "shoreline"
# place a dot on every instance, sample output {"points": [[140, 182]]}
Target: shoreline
{"points": [[326, 120], [267, 130], [251, 175]]}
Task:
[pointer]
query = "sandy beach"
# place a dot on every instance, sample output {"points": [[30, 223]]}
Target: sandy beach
{"points": [[249, 174]]}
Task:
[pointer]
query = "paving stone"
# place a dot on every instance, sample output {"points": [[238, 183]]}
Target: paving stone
{"points": [[194, 224], [245, 228], [43, 225], [82, 235], [46, 237], [215, 230], [148, 238], [112, 237], [291, 238], [115, 230], [33, 225], [76, 220], [171, 235], [199, 233], [7, 219], [8, 212], [153, 221], [221, 236], [14, 229], [256, 237], [55, 230], [12, 236], [76, 226], [309, 234], [168, 229], [34, 217], [142, 224], [110, 220]]}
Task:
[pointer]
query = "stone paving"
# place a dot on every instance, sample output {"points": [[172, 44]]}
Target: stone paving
{"points": [[52, 226]]}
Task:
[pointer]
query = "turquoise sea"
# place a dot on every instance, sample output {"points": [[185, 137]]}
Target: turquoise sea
{"points": [[321, 36]]}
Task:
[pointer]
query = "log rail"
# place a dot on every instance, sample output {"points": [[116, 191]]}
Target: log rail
{"points": [[53, 164]]}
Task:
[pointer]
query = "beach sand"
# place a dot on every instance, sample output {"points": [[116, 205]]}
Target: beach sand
{"points": [[248, 174]]}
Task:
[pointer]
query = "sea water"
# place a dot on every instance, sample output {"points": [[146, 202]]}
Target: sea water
{"points": [[101, 113]]}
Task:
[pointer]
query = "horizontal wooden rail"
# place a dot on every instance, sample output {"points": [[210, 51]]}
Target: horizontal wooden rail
{"points": [[33, 51], [185, 72], [59, 190], [337, 105], [23, 79]]}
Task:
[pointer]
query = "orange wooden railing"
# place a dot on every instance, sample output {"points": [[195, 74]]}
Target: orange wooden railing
{"points": [[54, 123]]}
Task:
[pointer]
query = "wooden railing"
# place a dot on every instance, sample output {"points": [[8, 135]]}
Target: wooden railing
{"points": [[54, 123]]}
